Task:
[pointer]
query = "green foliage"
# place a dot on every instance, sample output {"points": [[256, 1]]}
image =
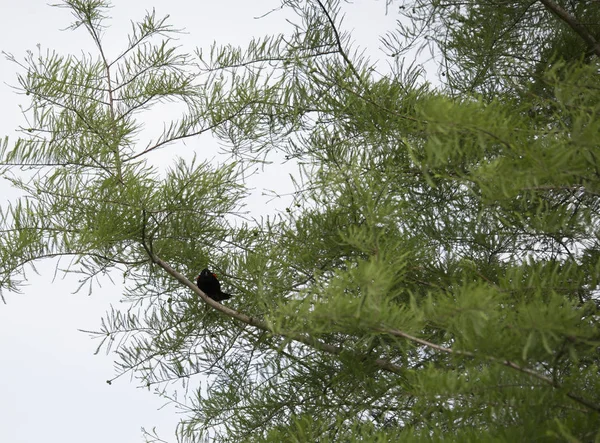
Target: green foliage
{"points": [[435, 277]]}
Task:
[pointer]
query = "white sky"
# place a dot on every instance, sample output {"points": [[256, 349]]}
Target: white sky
{"points": [[52, 387]]}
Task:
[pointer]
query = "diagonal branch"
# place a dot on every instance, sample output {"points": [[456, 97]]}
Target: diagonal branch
{"points": [[305, 339], [338, 41], [507, 363], [572, 22]]}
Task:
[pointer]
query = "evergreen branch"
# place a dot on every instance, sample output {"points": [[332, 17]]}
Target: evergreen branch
{"points": [[575, 25], [94, 28], [88, 125], [149, 28], [80, 254], [172, 139]]}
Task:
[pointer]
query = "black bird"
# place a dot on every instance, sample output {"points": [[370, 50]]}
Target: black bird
{"points": [[208, 283]]}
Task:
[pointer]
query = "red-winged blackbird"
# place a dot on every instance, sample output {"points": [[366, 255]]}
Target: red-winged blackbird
{"points": [[208, 283]]}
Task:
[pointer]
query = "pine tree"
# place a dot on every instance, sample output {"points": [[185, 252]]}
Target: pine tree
{"points": [[436, 276]]}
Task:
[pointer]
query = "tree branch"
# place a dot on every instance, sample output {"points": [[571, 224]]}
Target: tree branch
{"points": [[507, 363], [300, 338], [338, 41], [572, 22]]}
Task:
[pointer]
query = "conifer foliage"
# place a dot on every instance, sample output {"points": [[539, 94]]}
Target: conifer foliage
{"points": [[436, 276]]}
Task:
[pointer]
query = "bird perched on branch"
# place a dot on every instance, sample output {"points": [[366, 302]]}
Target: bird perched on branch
{"points": [[209, 284]]}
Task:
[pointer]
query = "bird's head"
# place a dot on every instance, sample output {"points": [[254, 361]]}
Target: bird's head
{"points": [[207, 273]]}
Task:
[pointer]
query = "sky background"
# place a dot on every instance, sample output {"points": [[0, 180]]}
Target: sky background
{"points": [[52, 386]]}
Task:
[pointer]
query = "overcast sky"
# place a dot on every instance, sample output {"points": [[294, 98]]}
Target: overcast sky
{"points": [[52, 386]]}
